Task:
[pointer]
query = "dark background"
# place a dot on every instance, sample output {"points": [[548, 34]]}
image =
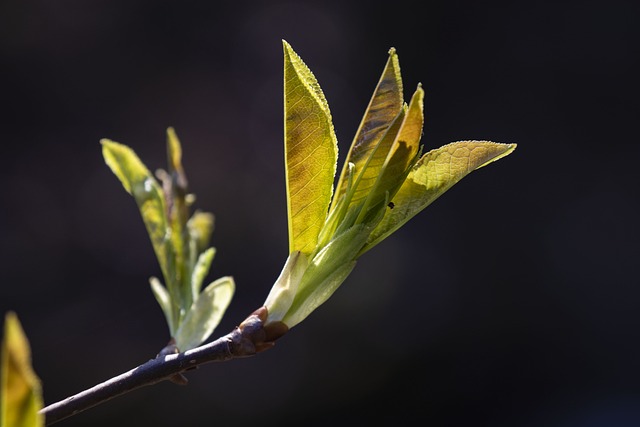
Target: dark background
{"points": [[511, 301]]}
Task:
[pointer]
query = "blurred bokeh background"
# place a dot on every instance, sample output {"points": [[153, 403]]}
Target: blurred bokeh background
{"points": [[511, 301]]}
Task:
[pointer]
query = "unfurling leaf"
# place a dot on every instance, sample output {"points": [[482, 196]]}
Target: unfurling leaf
{"points": [[311, 152], [385, 181], [181, 243], [148, 194], [401, 154], [285, 288], [326, 271], [436, 172], [20, 389], [367, 153]]}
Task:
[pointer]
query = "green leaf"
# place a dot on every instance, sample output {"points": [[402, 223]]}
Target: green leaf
{"points": [[174, 154], [205, 314], [20, 388], [325, 272], [200, 271], [200, 227], [401, 155], [311, 152], [163, 298], [435, 172], [318, 294], [285, 288], [368, 150], [140, 183], [175, 193]]}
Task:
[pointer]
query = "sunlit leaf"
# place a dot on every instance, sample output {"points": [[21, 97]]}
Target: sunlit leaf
{"points": [[310, 153], [140, 183], [285, 288], [367, 152], [205, 313], [385, 181], [401, 155], [20, 389], [435, 172], [321, 277], [318, 294]]}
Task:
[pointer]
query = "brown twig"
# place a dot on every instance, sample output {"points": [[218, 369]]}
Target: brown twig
{"points": [[250, 337]]}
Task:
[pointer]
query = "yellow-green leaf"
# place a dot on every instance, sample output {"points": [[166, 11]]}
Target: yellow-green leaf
{"points": [[205, 314], [311, 152], [325, 272], [20, 389], [401, 154], [285, 288], [174, 153], [162, 296], [175, 192], [368, 150], [200, 271], [140, 183], [318, 294], [200, 227], [435, 172]]}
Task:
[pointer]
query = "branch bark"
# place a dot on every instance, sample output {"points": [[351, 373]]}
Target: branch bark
{"points": [[247, 339]]}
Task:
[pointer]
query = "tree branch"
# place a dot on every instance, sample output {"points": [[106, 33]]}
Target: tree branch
{"points": [[247, 339]]}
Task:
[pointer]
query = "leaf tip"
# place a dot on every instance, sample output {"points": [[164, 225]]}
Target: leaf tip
{"points": [[106, 142]]}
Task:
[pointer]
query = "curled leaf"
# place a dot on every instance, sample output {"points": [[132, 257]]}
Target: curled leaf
{"points": [[318, 294], [368, 151], [400, 155], [325, 272], [285, 288]]}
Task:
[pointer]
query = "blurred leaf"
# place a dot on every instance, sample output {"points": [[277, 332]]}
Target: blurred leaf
{"points": [[20, 389], [311, 153], [174, 154], [138, 181], [125, 164], [163, 298], [368, 150], [200, 228], [201, 270], [436, 172], [205, 314], [175, 191]]}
